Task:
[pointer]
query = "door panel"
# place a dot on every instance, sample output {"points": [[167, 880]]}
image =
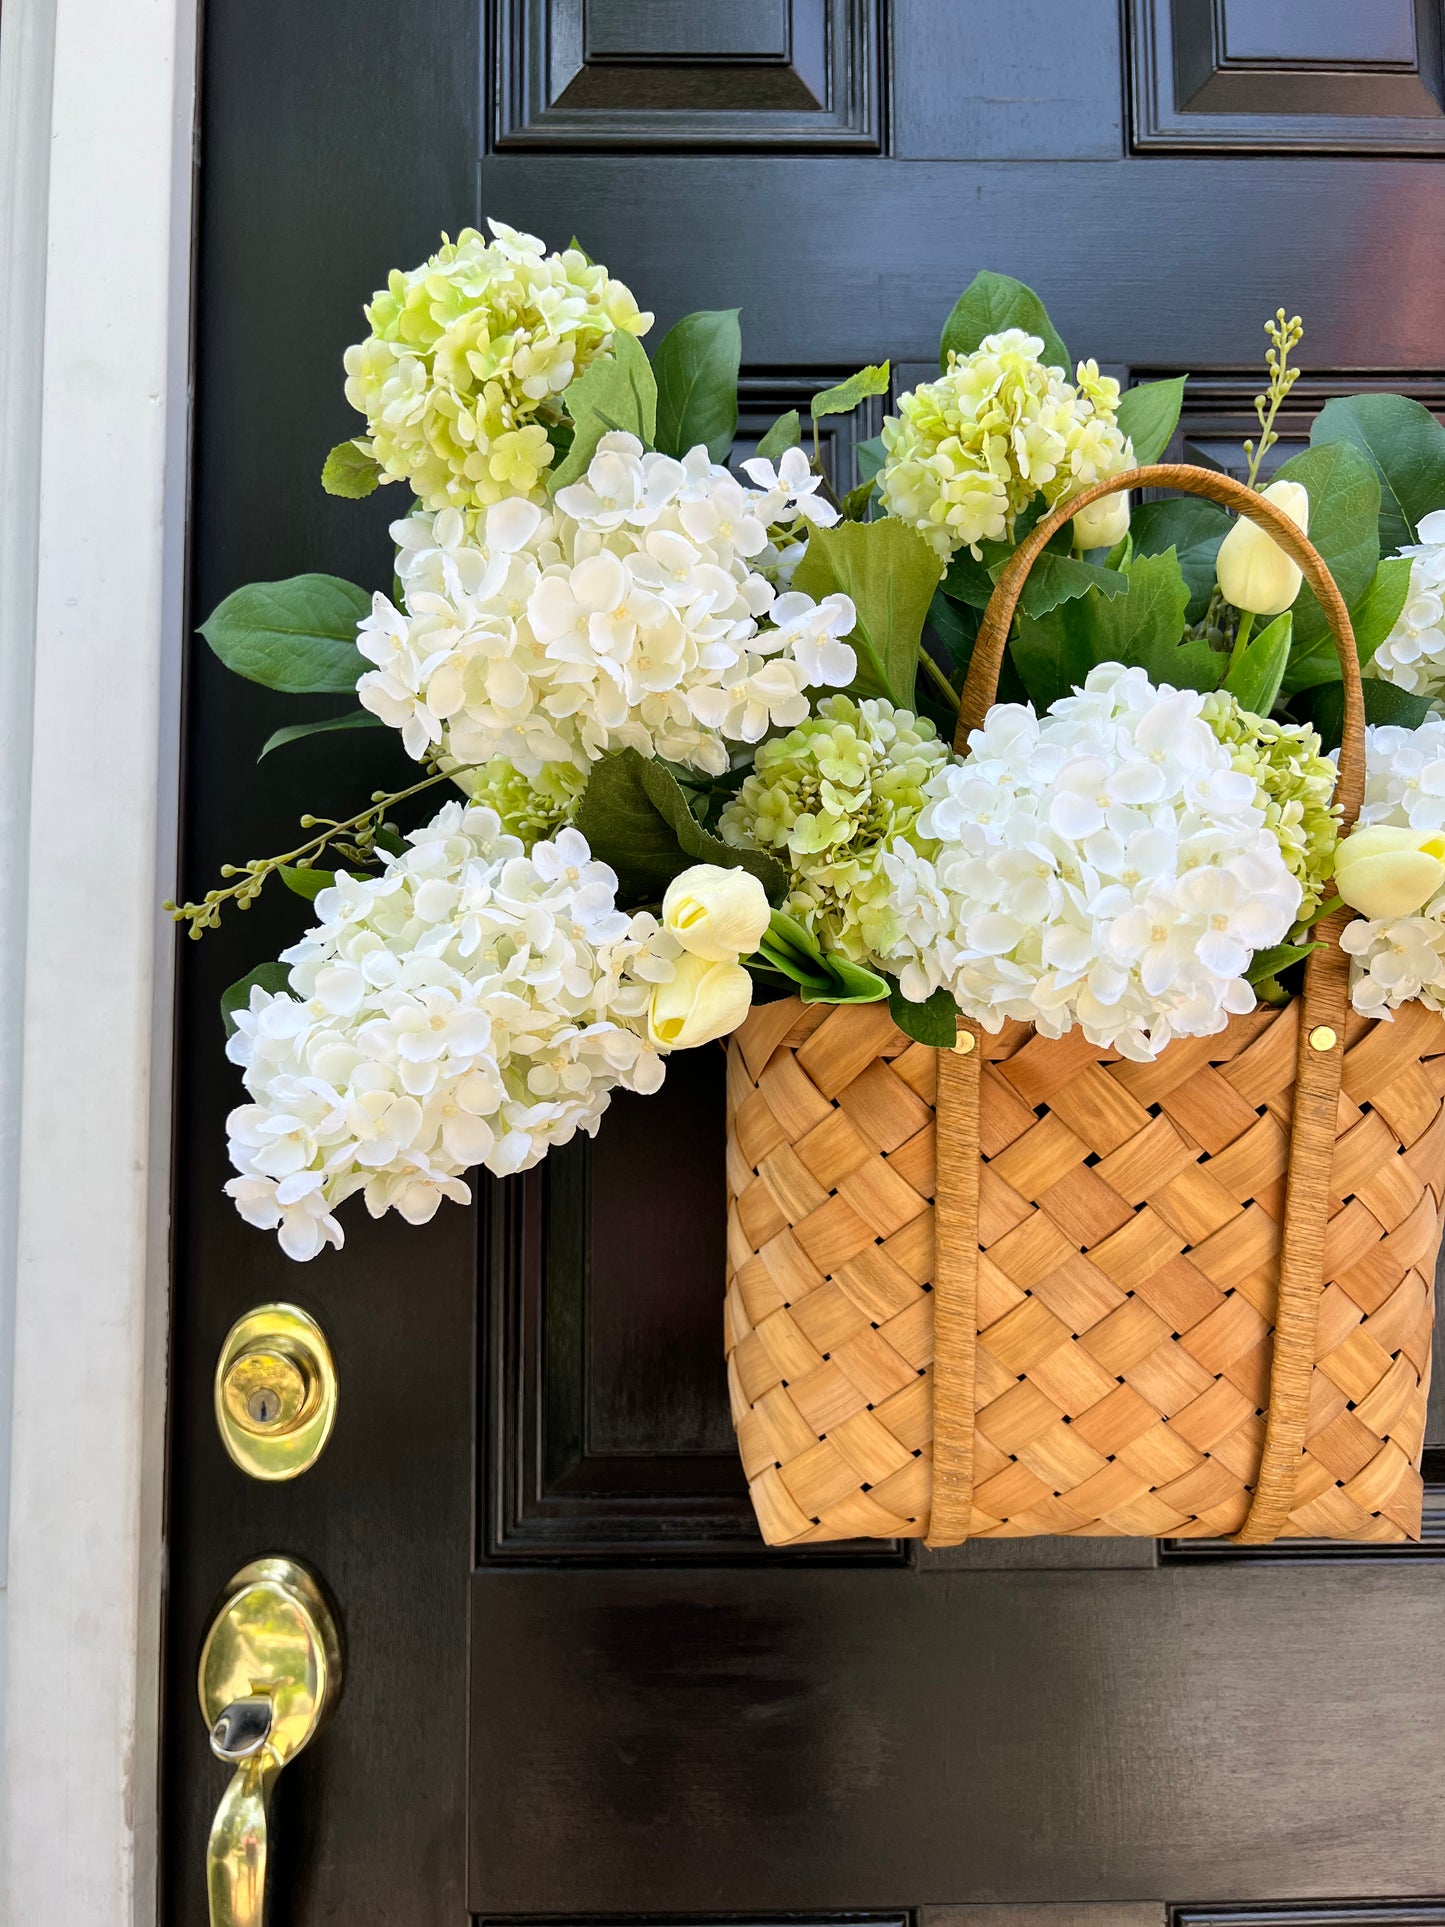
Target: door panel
{"points": [[577, 1684]]}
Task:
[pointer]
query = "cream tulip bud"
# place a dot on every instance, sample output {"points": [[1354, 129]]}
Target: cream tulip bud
{"points": [[704, 1000], [1099, 525], [719, 915], [1384, 871], [1254, 572]]}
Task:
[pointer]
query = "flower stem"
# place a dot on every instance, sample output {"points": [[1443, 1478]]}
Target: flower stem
{"points": [[944, 686], [1241, 641], [206, 914]]}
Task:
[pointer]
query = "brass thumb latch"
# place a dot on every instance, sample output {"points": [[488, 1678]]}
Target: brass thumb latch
{"points": [[270, 1673]]}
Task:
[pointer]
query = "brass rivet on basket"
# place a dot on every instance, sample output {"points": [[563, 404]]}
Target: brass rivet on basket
{"points": [[965, 1043], [1322, 1038]]}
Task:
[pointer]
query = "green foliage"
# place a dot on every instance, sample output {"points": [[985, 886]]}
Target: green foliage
{"points": [[822, 976], [1254, 681], [992, 302], [1055, 652], [1056, 578], [856, 502], [1378, 610], [1405, 446], [890, 572], [274, 977], [306, 882], [843, 399], [635, 817], [869, 458], [1265, 967], [1344, 494], [934, 1022], [619, 393], [1194, 530], [786, 432], [298, 636], [351, 470], [1149, 414], [696, 369], [1384, 703], [348, 719]]}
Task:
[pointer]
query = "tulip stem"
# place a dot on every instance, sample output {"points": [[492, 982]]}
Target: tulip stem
{"points": [[944, 686], [1241, 640]]}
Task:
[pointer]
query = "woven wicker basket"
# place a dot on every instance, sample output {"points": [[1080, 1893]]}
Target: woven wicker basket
{"points": [[1028, 1287]]}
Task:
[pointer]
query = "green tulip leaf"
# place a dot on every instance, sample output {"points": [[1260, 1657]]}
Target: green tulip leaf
{"points": [[696, 368], [1405, 446], [297, 636], [890, 572], [991, 303], [790, 950], [1149, 414], [1254, 681], [618, 393], [635, 818]]}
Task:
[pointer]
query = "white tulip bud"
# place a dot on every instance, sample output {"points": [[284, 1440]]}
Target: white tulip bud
{"points": [[1254, 572], [1387, 871], [1101, 524], [719, 915], [704, 1000]]}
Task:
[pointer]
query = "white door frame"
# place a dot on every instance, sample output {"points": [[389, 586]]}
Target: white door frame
{"points": [[97, 103]]}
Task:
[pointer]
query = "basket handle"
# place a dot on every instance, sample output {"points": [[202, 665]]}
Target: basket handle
{"points": [[1322, 1011], [981, 686]]}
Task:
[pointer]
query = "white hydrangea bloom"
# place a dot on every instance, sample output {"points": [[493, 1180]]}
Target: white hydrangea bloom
{"points": [[1413, 654], [471, 1005], [1104, 865], [1397, 959], [631, 612]]}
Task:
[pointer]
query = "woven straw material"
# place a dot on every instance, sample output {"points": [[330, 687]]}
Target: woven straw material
{"points": [[1128, 1233]]}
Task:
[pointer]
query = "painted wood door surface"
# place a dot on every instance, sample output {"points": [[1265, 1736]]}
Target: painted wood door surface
{"points": [[578, 1685]]}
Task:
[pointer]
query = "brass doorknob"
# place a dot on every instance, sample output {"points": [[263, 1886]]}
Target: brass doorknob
{"points": [[270, 1673], [275, 1392]]}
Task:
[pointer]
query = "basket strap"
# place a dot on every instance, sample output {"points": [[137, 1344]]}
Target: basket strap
{"points": [[955, 1289]]}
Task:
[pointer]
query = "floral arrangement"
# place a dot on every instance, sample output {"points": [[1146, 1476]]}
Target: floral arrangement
{"points": [[690, 725]]}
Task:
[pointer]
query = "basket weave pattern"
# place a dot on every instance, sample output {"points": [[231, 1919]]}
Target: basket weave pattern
{"points": [[1129, 1234]]}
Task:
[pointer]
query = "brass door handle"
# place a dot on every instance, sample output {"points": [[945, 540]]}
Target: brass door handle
{"points": [[270, 1673]]}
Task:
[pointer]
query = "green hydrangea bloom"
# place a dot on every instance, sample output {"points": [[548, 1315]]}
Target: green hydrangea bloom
{"points": [[467, 358], [828, 798], [531, 807], [1294, 786], [966, 452]]}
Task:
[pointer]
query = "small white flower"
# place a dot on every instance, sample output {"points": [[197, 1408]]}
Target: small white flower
{"points": [[795, 484], [1413, 654]]}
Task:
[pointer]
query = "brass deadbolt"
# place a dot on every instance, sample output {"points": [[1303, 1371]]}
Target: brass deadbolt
{"points": [[275, 1392]]}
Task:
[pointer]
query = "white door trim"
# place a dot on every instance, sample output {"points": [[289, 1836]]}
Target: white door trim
{"points": [[97, 103]]}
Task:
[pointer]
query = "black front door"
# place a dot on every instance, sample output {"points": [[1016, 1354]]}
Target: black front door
{"points": [[577, 1684]]}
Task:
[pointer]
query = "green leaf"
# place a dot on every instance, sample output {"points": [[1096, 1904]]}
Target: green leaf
{"points": [[856, 502], [348, 719], [934, 1022], [635, 817], [1055, 652], [786, 432], [956, 627], [890, 572], [1058, 578], [575, 247], [1149, 414], [790, 950], [298, 636], [351, 470], [618, 393], [696, 368], [1384, 703], [869, 458], [967, 580], [992, 302], [1255, 680], [1194, 530], [1269, 963], [306, 883], [274, 977], [1344, 494], [1378, 610], [843, 399], [1404, 444]]}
